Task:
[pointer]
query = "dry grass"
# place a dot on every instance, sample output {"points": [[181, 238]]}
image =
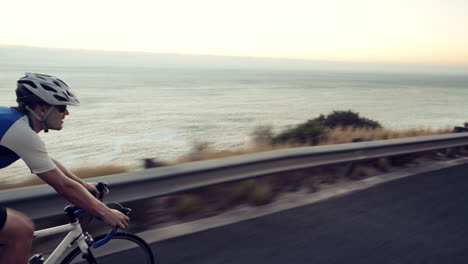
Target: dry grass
{"points": [[82, 173], [100, 171], [29, 182], [203, 151], [346, 135]]}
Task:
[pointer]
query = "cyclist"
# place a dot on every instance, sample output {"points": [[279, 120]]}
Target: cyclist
{"points": [[42, 105]]}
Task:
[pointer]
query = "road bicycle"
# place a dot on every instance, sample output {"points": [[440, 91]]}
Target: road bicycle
{"points": [[79, 246]]}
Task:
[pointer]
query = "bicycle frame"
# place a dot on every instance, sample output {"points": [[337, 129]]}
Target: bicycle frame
{"points": [[75, 234]]}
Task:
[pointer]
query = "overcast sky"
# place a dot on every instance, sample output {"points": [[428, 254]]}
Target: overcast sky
{"points": [[409, 31]]}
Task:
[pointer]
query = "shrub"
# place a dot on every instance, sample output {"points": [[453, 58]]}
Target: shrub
{"points": [[241, 191], [199, 150], [262, 135], [307, 133], [313, 131], [261, 194], [346, 119], [187, 205]]}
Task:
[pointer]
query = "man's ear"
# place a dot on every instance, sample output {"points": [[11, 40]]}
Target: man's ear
{"points": [[41, 109]]}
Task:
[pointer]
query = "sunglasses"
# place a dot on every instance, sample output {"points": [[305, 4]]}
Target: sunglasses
{"points": [[61, 108]]}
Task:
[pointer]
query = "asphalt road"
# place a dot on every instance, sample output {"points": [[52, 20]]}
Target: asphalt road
{"points": [[418, 219]]}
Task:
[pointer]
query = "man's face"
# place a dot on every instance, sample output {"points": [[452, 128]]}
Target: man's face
{"points": [[56, 117]]}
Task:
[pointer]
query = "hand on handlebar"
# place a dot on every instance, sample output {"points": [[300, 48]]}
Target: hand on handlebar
{"points": [[91, 187], [116, 219]]}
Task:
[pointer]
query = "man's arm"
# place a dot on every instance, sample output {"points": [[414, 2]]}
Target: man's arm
{"points": [[76, 193], [90, 187]]}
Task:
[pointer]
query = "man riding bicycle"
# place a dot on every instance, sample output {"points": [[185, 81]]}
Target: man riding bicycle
{"points": [[42, 105]]}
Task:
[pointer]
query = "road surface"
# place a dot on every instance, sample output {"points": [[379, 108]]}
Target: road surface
{"points": [[418, 219]]}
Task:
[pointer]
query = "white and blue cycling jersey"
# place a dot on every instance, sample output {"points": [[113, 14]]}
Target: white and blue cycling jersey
{"points": [[19, 140]]}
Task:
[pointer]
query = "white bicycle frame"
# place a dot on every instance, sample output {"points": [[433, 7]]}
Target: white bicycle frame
{"points": [[75, 234]]}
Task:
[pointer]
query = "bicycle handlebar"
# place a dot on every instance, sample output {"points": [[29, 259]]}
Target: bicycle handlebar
{"points": [[103, 189], [74, 211]]}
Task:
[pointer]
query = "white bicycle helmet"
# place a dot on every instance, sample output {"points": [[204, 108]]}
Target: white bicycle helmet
{"points": [[37, 88], [47, 88]]}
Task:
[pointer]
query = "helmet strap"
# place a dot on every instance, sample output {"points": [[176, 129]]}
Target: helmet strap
{"points": [[41, 120]]}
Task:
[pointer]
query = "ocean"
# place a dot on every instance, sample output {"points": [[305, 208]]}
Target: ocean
{"points": [[129, 111]]}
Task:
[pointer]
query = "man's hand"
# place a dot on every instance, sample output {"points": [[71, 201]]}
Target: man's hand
{"points": [[91, 187], [116, 219]]}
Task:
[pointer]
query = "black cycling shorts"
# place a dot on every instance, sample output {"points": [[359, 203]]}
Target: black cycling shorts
{"points": [[3, 216]]}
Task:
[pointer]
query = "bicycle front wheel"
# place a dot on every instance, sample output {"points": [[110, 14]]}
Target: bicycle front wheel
{"points": [[122, 248]]}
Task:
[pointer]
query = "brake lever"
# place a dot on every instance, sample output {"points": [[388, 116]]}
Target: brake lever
{"points": [[103, 190], [125, 211]]}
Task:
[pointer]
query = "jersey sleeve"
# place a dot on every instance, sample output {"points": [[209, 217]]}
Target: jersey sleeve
{"points": [[25, 142]]}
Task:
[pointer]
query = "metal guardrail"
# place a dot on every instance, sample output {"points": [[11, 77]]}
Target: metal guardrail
{"points": [[42, 201]]}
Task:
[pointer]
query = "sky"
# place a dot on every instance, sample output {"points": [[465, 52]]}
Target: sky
{"points": [[395, 31]]}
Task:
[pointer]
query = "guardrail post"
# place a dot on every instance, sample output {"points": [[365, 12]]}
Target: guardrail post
{"points": [[352, 166], [452, 152]]}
